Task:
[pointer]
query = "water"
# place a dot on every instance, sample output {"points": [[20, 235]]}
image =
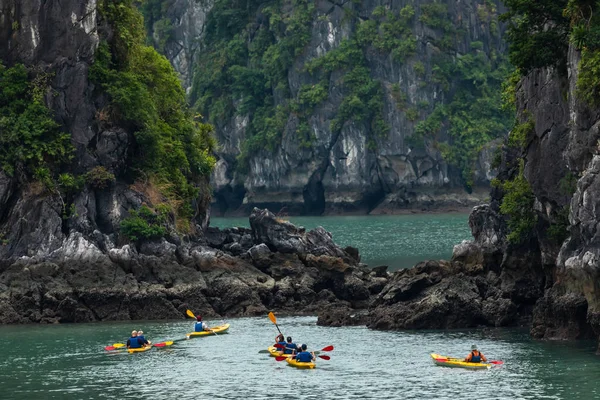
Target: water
{"points": [[68, 362], [399, 241]]}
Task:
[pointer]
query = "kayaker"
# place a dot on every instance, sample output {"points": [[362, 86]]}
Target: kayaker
{"points": [[475, 356], [200, 326], [134, 342], [141, 338], [280, 340], [305, 356], [290, 346]]}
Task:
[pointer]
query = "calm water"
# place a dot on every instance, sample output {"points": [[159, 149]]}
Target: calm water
{"points": [[68, 362], [398, 241]]}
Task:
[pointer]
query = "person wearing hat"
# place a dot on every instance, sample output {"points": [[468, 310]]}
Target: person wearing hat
{"points": [[141, 338], [290, 346], [134, 342], [305, 356], [475, 356], [200, 326]]}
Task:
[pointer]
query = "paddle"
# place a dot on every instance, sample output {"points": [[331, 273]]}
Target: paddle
{"points": [[274, 321], [163, 344], [115, 346], [280, 346], [326, 348], [281, 358], [191, 315]]}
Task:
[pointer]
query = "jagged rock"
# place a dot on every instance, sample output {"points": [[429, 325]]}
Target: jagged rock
{"points": [[82, 280], [281, 236], [381, 271], [341, 315]]}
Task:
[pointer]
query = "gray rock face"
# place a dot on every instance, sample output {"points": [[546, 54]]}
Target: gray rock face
{"points": [[55, 269], [82, 279], [544, 281], [341, 172]]}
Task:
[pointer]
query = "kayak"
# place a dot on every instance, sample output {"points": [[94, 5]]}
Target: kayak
{"points": [[303, 365], [445, 361], [139, 350], [275, 352], [220, 329]]}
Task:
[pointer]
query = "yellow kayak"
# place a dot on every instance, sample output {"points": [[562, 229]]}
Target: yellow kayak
{"points": [[275, 352], [216, 330], [139, 350], [445, 361], [304, 365]]}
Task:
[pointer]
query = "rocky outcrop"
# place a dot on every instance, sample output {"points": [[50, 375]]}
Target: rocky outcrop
{"points": [[353, 170], [480, 286], [549, 280], [235, 272]]}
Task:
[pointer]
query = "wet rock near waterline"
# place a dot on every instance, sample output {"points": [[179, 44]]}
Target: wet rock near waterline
{"points": [[231, 272], [471, 290], [341, 314]]}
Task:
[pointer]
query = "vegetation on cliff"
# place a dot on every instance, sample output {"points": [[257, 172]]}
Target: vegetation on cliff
{"points": [[539, 33], [173, 149], [31, 142], [251, 48]]}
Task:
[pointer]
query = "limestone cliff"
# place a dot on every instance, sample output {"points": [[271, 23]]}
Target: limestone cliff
{"points": [[535, 256], [302, 126], [103, 196]]}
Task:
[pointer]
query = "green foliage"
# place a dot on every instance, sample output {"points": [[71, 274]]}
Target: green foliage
{"points": [[399, 96], [30, 139], [472, 115], [412, 114], [363, 96], [389, 32], [497, 158], [537, 32], [156, 22], [99, 177], [509, 91], [419, 68], [311, 95], [144, 224], [519, 134], [147, 97], [517, 205], [435, 15], [242, 69], [69, 183]]}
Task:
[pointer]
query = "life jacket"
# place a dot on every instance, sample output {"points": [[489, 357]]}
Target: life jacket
{"points": [[289, 348], [304, 356], [199, 327], [134, 342], [282, 344], [475, 358], [142, 339]]}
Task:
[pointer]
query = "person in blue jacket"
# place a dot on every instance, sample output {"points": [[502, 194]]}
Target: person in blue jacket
{"points": [[134, 342], [305, 356], [200, 326], [141, 338], [290, 346]]}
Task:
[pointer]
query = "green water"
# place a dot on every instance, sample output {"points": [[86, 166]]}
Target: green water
{"points": [[68, 362], [398, 241]]}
